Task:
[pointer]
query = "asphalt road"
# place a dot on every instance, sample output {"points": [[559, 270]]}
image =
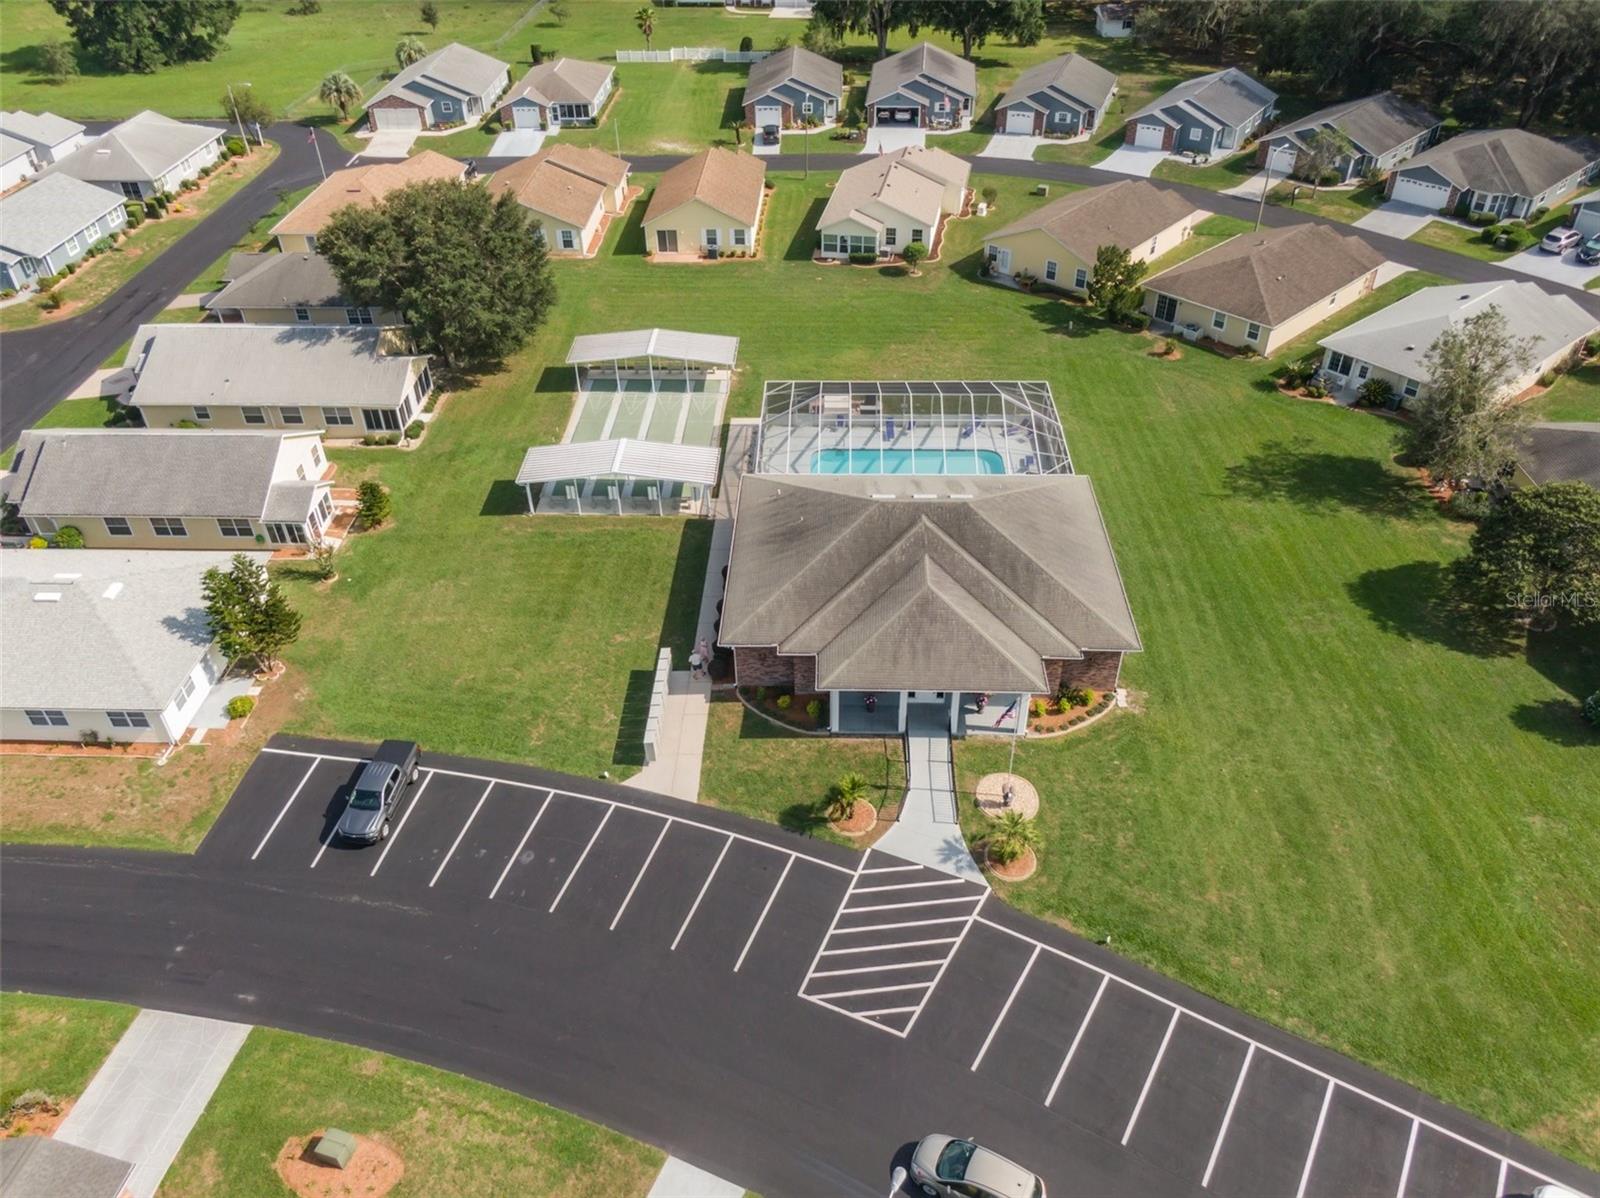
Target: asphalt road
{"points": [[712, 985]]}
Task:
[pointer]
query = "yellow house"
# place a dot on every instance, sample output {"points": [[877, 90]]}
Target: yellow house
{"points": [[709, 203], [363, 185], [1057, 243], [571, 190], [295, 288]]}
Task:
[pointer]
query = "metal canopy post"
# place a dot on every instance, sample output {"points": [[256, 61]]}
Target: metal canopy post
{"points": [[527, 489]]}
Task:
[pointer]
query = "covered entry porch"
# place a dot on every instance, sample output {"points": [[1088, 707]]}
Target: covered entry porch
{"points": [[884, 713]]}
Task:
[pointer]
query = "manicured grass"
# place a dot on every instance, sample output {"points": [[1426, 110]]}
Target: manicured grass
{"points": [[97, 278], [1576, 396], [1218, 175], [55, 1044], [1463, 240], [1348, 206], [1208, 234], [455, 1135]]}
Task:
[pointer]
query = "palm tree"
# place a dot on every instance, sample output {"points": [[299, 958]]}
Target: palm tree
{"points": [[850, 789], [408, 51], [1013, 836], [645, 19], [343, 92]]}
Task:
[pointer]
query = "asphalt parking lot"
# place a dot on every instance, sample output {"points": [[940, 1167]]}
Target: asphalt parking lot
{"points": [[1221, 1103]]}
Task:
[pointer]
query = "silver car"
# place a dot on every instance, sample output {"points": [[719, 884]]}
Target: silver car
{"points": [[948, 1167], [1559, 241], [377, 792]]}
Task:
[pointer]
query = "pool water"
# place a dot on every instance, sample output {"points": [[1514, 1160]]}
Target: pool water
{"points": [[907, 461]]}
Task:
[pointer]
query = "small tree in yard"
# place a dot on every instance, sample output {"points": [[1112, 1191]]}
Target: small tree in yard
{"points": [[343, 92], [913, 253], [1537, 553], [322, 558], [1114, 283], [247, 612], [559, 12], [373, 503], [430, 14], [408, 50], [58, 61], [846, 793], [645, 19], [1013, 836], [249, 107], [1323, 149]]}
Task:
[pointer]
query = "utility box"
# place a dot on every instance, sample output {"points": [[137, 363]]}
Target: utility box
{"points": [[1042, 189], [335, 1148]]}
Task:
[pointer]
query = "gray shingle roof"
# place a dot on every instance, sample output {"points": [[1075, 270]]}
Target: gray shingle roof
{"points": [[40, 128], [812, 71], [1126, 213], [1503, 161], [13, 147], [71, 472], [1562, 452], [564, 81], [898, 582], [143, 148], [1376, 124], [1070, 73], [1229, 94], [42, 1167], [261, 364], [281, 281], [950, 70], [39, 217], [910, 181], [455, 67]]}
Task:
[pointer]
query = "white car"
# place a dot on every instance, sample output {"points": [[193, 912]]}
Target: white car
{"points": [[949, 1167], [1559, 241]]}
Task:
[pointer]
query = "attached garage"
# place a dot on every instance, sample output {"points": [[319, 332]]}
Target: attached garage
{"points": [[888, 115], [1019, 119], [1152, 137], [769, 114], [525, 116], [1433, 196], [407, 116]]}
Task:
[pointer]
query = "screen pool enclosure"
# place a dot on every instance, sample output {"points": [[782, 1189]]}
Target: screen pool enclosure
{"points": [[903, 427]]}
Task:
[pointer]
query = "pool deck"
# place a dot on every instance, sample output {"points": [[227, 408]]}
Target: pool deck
{"points": [[924, 447]]}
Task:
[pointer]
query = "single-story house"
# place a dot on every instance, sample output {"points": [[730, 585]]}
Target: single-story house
{"points": [[1057, 243], [52, 137], [924, 87], [366, 186], [883, 204], [1391, 344], [45, 1167], [1509, 172], [454, 85], [288, 289], [566, 91], [1064, 97], [1560, 452], [1114, 20], [1383, 130], [51, 222], [919, 590], [1260, 290], [1207, 115], [791, 86], [710, 203], [1586, 214], [148, 154], [17, 161], [343, 381], [571, 190], [172, 489]]}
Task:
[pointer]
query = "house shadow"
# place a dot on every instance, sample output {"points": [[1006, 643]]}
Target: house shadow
{"points": [[555, 380], [804, 242], [1319, 481], [1064, 319], [504, 498], [1420, 601], [629, 240], [732, 99], [681, 616]]}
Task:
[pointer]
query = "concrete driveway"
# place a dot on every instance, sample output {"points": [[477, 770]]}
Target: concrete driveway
{"points": [[390, 143], [1395, 219], [881, 140], [1018, 146], [518, 143], [1132, 160], [1564, 268]]}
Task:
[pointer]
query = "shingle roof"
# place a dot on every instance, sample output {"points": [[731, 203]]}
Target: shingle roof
{"points": [[813, 71], [144, 472], [1562, 452], [230, 365], [1126, 213], [898, 582], [366, 186], [950, 70], [566, 182], [1271, 274], [1070, 73], [1376, 124], [13, 147], [44, 1167], [1503, 161], [41, 128], [1397, 337], [143, 148], [1228, 94], [729, 182], [564, 81], [281, 281], [455, 67], [909, 181], [47, 211]]}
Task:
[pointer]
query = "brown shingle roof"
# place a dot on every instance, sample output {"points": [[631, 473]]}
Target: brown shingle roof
{"points": [[565, 182], [564, 81], [366, 186], [1126, 214], [729, 182], [1272, 274]]}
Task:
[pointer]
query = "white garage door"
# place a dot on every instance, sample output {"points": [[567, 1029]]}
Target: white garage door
{"points": [[1415, 191], [1019, 120], [1149, 135], [525, 116], [768, 114], [398, 118]]}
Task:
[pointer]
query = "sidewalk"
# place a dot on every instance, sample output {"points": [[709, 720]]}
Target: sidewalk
{"points": [[680, 1179], [929, 830]]}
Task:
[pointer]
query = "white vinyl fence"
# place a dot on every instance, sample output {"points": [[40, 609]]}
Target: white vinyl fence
{"points": [[658, 702], [692, 54]]}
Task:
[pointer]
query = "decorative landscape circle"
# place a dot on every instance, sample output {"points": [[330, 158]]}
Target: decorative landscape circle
{"points": [[862, 819], [373, 1171], [1019, 870], [992, 795]]}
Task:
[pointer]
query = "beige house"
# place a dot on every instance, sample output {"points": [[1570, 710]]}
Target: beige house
{"points": [[348, 383], [363, 185], [708, 204], [1260, 290], [166, 489], [571, 190], [293, 288], [885, 203], [1057, 243]]}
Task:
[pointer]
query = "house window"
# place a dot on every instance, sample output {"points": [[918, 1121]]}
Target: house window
{"points": [[380, 420], [302, 315], [72, 243], [202, 413], [424, 383], [1050, 270], [228, 526], [1219, 320], [741, 237], [806, 108], [311, 243], [334, 417], [253, 415], [325, 507], [830, 244], [316, 455], [568, 240], [358, 316], [168, 526], [1410, 389], [446, 106], [1333, 299], [1339, 364], [132, 191], [1080, 278], [1060, 117], [300, 473], [406, 409], [47, 719], [1194, 132], [117, 526], [1252, 331], [93, 231], [708, 238], [286, 534], [128, 719], [890, 235], [292, 415], [185, 692]]}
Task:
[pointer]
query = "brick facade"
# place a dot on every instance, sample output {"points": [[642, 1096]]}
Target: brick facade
{"points": [[755, 665], [1097, 671], [787, 120], [394, 102]]}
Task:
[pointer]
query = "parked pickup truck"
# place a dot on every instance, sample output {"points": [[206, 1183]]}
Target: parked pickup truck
{"points": [[378, 790]]}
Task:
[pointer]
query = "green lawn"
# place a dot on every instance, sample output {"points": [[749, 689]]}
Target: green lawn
{"points": [[455, 1135], [55, 1044], [1208, 234], [1218, 175], [1459, 239], [255, 239], [1344, 205], [1576, 396]]}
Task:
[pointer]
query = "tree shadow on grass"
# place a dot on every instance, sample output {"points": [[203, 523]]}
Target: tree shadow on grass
{"points": [[1420, 602], [1319, 481], [1559, 721]]}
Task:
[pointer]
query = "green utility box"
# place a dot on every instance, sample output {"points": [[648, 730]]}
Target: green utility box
{"points": [[334, 1147]]}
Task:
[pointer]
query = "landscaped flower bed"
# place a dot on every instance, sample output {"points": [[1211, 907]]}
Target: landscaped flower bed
{"points": [[807, 712], [1070, 707]]}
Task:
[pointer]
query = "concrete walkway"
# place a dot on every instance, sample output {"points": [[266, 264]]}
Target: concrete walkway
{"points": [[147, 1096], [928, 831], [680, 1179]]}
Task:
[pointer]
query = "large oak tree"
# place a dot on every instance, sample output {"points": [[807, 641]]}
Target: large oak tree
{"points": [[141, 35]]}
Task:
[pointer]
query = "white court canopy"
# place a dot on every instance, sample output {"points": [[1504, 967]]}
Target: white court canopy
{"points": [[619, 457], [705, 349]]}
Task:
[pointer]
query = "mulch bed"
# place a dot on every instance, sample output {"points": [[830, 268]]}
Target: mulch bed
{"points": [[795, 715], [46, 748], [1019, 870], [1073, 715], [861, 820], [373, 1171]]}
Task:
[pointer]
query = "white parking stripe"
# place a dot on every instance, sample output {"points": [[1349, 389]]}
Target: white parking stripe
{"points": [[660, 836], [954, 949], [294, 794], [401, 826], [1405, 1169], [1227, 1116], [1005, 1010], [1151, 1076], [582, 857], [517, 852], [890, 869], [965, 898], [869, 1016], [704, 886], [878, 948], [884, 927], [1316, 1138], [836, 973], [869, 990], [456, 843], [323, 847], [762, 918], [912, 885], [1076, 1039], [1500, 1185]]}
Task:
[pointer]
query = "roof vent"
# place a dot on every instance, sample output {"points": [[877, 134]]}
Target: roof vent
{"points": [[924, 495], [1411, 349], [881, 495], [112, 591], [47, 596]]}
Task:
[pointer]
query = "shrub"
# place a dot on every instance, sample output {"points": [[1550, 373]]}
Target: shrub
{"points": [[373, 503], [814, 709], [135, 212], [746, 44], [1328, 178], [1139, 321], [844, 794], [1075, 696], [1483, 219], [190, 185], [153, 208], [761, 694], [1547, 379], [990, 195], [187, 424], [1376, 393], [413, 430], [8, 292], [68, 537], [784, 701], [1591, 709], [240, 706], [305, 8], [1036, 708], [38, 543], [914, 252], [235, 146], [1012, 837], [71, 268], [1470, 505], [1298, 374], [51, 301], [1316, 391], [863, 259]]}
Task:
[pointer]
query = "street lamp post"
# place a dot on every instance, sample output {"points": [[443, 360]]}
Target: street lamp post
{"points": [[243, 136], [1266, 186]]}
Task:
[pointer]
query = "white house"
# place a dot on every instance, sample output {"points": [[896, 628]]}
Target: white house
{"points": [[52, 137], [145, 155], [568, 91], [16, 161], [1586, 214], [1114, 20], [51, 222]]}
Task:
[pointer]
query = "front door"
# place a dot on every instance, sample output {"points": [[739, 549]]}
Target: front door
{"points": [[667, 241], [1002, 261]]}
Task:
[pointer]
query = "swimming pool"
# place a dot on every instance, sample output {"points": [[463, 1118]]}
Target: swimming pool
{"points": [[907, 461]]}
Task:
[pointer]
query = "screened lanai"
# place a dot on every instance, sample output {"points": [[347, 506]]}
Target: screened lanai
{"points": [[910, 427]]}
